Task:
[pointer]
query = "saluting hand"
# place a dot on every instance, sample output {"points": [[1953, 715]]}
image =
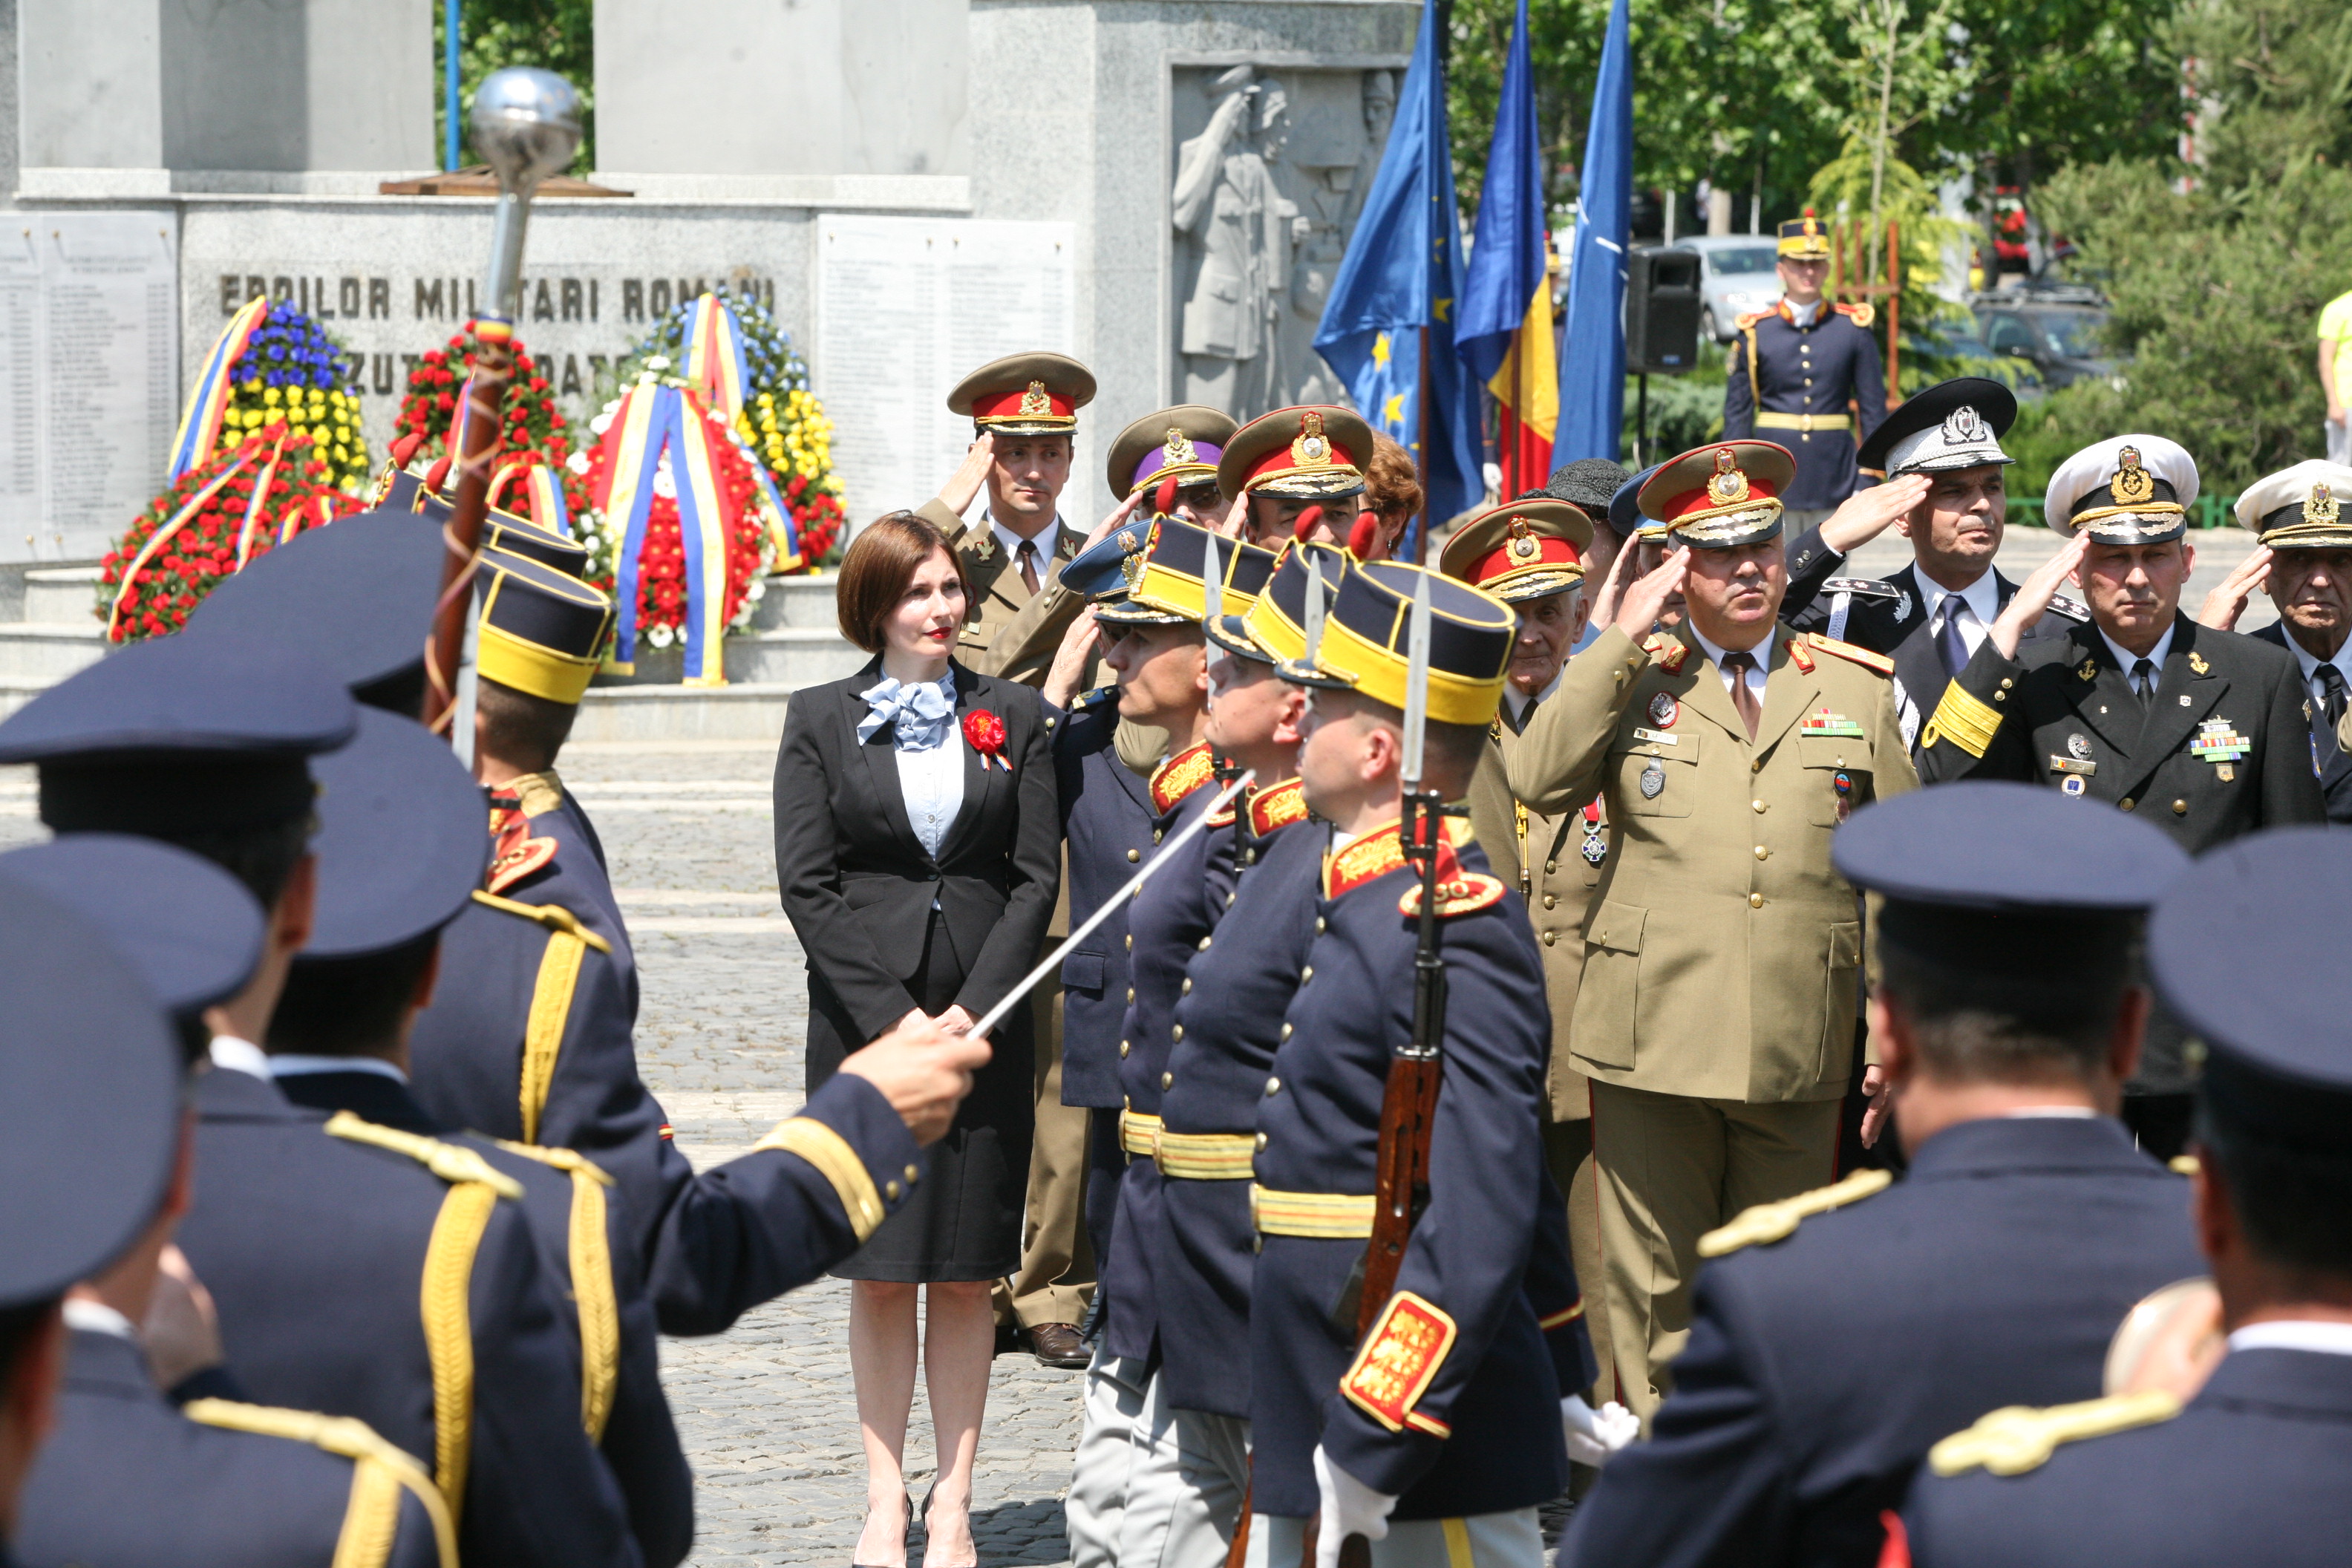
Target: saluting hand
{"points": [[965, 482], [1613, 586], [1645, 601], [2033, 596], [923, 1069], [1069, 666], [1867, 513], [2225, 604]]}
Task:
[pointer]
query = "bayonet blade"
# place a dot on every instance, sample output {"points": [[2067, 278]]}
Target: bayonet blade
{"points": [[1212, 583], [1314, 605], [1416, 681]]}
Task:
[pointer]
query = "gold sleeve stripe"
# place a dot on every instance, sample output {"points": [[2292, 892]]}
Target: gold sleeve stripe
{"points": [[381, 1472], [1330, 1215], [1962, 720], [838, 1162], [1561, 1319], [450, 1332], [1776, 1222], [592, 1283], [543, 1034]]}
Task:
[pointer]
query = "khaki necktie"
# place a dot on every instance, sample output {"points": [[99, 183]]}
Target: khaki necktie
{"points": [[1029, 563], [1743, 696]]}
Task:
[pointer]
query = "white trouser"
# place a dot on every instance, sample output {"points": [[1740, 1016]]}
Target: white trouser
{"points": [[1511, 1539], [1211, 1473], [1124, 1479]]}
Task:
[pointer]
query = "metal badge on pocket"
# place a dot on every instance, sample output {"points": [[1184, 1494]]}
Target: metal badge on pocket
{"points": [[1653, 780]]}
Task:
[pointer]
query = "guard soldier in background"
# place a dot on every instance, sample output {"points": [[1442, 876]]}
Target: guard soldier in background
{"points": [[1530, 554], [2249, 1468], [2304, 564], [1803, 372], [1940, 453], [90, 1109], [1125, 1480], [2203, 731], [1449, 1414], [1717, 1011], [199, 1479], [1279, 464], [1025, 413], [2027, 1226]]}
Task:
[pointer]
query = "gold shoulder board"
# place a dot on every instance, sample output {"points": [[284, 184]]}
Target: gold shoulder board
{"points": [[1778, 1222]]}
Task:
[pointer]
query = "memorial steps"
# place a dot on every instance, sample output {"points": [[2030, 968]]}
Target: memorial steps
{"points": [[47, 633]]}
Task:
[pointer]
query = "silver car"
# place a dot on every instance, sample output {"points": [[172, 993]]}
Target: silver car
{"points": [[1736, 276]]}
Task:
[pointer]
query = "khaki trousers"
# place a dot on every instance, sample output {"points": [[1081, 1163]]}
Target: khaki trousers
{"points": [[1673, 1167], [1057, 1268]]}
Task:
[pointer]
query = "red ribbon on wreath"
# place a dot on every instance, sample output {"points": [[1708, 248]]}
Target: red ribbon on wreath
{"points": [[985, 733]]}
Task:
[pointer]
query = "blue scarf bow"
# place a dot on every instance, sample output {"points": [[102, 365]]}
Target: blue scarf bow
{"points": [[923, 710]]}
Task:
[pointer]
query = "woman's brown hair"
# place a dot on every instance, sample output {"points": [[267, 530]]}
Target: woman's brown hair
{"points": [[1391, 482], [880, 562]]}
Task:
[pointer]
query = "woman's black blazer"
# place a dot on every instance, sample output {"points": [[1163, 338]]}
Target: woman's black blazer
{"points": [[854, 875]]}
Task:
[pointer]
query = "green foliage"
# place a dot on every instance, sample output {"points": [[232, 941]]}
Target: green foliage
{"points": [[556, 35], [1906, 199]]}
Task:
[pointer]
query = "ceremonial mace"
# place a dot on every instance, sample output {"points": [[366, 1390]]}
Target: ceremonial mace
{"points": [[526, 126]]}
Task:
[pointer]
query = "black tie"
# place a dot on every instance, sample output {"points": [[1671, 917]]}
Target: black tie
{"points": [[2143, 680], [2331, 694], [1949, 642]]}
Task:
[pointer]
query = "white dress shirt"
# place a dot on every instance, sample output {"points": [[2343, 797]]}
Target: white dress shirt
{"points": [[1010, 542], [2310, 663], [2127, 658], [1756, 671], [295, 1064], [1804, 315], [1982, 597], [2295, 1334], [240, 1056], [97, 1318], [1519, 701]]}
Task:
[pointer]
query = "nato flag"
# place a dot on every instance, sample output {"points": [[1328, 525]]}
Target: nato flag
{"points": [[1592, 351]]}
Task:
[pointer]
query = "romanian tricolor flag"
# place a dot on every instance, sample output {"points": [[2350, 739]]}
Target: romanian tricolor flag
{"points": [[1506, 331], [714, 356], [654, 420], [200, 422]]}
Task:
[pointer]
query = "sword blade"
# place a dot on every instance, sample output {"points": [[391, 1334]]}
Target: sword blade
{"points": [[1212, 583], [1416, 683], [1314, 605]]}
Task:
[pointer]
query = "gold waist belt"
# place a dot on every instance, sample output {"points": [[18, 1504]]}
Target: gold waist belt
{"points": [[1804, 421], [1340, 1215], [1137, 1133], [1206, 1156]]}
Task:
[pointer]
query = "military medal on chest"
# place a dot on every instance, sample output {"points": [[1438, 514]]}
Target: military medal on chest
{"points": [[1595, 848], [2217, 743], [1665, 709], [1653, 780], [1843, 782], [2075, 767]]}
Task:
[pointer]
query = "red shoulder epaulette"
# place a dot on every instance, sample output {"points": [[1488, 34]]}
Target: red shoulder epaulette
{"points": [[1749, 318], [1459, 894], [1180, 774], [1278, 805], [1861, 315], [516, 854], [1666, 650], [1878, 662]]}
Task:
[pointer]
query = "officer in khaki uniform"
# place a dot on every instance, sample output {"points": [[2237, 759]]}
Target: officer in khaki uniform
{"points": [[1716, 1008], [1530, 554]]}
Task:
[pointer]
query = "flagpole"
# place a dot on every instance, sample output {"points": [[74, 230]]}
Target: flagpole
{"points": [[1420, 455]]}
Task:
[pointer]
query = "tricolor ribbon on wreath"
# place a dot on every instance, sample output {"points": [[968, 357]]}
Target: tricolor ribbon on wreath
{"points": [[717, 367], [651, 420], [208, 398], [543, 489]]}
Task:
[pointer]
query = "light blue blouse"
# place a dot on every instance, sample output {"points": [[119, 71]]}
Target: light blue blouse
{"points": [[929, 751]]}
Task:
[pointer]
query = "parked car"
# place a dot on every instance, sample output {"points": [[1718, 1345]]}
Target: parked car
{"points": [[1736, 276], [2059, 337]]}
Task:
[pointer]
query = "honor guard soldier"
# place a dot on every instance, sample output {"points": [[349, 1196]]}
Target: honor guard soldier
{"points": [[1802, 373], [1126, 1466], [1024, 410], [400, 855], [1440, 1432], [2249, 1468], [2304, 564], [1530, 554], [2026, 1230], [2203, 731], [319, 1249], [1940, 453], [199, 1479], [1716, 1008], [1279, 464], [91, 1097]]}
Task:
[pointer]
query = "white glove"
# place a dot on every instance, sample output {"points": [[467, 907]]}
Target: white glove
{"points": [[1350, 1508], [1595, 1434]]}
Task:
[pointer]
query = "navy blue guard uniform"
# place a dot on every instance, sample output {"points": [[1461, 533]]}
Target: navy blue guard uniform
{"points": [[2298, 509], [2253, 1470], [1804, 387]]}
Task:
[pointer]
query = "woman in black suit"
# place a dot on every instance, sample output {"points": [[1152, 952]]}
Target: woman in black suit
{"points": [[918, 848]]}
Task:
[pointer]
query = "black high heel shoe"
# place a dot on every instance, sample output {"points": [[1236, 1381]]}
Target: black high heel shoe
{"points": [[905, 1527], [927, 1492]]}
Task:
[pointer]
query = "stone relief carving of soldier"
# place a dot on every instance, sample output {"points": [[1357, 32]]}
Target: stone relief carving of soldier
{"points": [[1238, 225], [1330, 173]]}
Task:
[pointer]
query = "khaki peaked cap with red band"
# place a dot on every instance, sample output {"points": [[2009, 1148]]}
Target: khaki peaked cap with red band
{"points": [[1522, 550], [1025, 394], [1721, 495], [1315, 452]]}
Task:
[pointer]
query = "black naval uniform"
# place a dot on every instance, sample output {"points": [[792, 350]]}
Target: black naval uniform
{"points": [[622, 1363], [124, 1471], [1169, 921], [2329, 753], [315, 1248], [1107, 829], [1822, 1367], [1482, 1435], [2222, 749], [1807, 373], [1230, 1013]]}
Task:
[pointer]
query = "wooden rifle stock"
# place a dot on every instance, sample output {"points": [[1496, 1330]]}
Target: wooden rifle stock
{"points": [[462, 534]]}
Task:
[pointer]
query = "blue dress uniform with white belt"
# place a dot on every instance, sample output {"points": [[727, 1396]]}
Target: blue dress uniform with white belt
{"points": [[126, 1475], [2250, 1468], [530, 1037], [2001, 1262], [1791, 382], [1451, 1399]]}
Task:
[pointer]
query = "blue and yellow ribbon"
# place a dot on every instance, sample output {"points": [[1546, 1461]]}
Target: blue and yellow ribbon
{"points": [[653, 419], [208, 399], [715, 360], [545, 488]]}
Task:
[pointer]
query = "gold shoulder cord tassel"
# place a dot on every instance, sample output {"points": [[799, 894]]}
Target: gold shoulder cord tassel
{"points": [[379, 1473], [591, 1282]]}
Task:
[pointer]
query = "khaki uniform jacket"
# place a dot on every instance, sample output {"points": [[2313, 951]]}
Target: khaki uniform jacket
{"points": [[1541, 856], [997, 589], [1723, 955]]}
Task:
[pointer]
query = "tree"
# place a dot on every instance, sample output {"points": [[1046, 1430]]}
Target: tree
{"points": [[556, 35]]}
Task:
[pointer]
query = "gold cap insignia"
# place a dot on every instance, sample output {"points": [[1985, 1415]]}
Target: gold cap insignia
{"points": [[2320, 505], [1729, 485], [1127, 543], [1524, 546], [1035, 400], [2132, 483], [1812, 227], [1313, 448], [1179, 447]]}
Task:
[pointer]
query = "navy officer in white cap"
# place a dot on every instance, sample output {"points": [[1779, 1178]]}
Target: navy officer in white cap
{"points": [[2203, 732]]}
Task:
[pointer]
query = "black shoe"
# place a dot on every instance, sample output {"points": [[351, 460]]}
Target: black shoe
{"points": [[1057, 1346]]}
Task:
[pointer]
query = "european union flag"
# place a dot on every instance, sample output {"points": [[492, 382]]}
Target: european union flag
{"points": [[1592, 350], [1402, 274]]}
